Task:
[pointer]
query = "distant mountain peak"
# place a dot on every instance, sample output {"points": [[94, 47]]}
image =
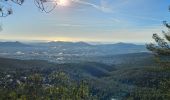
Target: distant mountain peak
{"points": [[123, 43], [13, 44], [65, 43]]}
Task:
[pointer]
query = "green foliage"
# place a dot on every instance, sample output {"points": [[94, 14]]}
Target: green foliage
{"points": [[60, 87], [162, 49]]}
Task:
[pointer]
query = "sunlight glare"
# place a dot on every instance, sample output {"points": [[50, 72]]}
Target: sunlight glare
{"points": [[63, 2]]}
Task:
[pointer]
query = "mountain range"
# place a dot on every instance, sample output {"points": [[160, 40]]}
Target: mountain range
{"points": [[69, 44], [13, 44]]}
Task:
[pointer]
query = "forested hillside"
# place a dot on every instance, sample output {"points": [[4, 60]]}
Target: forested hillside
{"points": [[103, 81]]}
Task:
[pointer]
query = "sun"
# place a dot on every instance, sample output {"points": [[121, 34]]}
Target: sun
{"points": [[63, 2]]}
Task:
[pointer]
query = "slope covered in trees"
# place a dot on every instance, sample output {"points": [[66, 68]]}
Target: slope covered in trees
{"points": [[101, 81], [141, 80]]}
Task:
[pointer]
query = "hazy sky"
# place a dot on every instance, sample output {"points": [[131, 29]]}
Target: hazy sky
{"points": [[88, 20]]}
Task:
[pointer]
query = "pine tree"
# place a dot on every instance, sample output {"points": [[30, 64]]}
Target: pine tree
{"points": [[161, 49]]}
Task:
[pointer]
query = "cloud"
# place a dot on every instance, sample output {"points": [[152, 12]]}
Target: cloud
{"points": [[102, 7], [69, 25], [106, 6]]}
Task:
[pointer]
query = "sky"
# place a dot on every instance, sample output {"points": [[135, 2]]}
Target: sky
{"points": [[87, 20]]}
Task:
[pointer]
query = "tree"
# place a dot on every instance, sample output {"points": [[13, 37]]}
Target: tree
{"points": [[161, 50], [56, 85], [43, 5]]}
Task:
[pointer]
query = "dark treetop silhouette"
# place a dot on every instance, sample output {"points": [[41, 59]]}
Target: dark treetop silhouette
{"points": [[43, 5]]}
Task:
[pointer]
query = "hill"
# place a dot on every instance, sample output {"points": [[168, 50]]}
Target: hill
{"points": [[13, 44], [105, 81], [64, 44], [84, 68]]}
